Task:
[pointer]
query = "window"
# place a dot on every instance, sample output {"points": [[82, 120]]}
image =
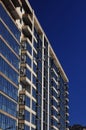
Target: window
{"points": [[26, 127], [39, 112], [33, 105], [34, 80], [8, 71], [9, 38], [7, 19], [8, 54], [28, 74], [28, 60], [34, 92], [27, 101], [38, 124], [6, 121], [27, 115], [34, 55], [33, 119], [8, 106], [8, 88], [35, 44], [34, 67]]}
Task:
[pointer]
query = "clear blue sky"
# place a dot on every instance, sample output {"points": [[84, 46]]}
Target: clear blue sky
{"points": [[64, 22]]}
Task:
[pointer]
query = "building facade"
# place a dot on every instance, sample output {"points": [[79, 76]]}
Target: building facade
{"points": [[33, 85]]}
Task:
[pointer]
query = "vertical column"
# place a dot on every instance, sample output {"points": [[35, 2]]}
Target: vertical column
{"points": [[48, 89], [42, 80], [32, 65]]}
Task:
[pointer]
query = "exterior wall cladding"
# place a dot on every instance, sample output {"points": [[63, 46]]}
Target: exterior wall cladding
{"points": [[33, 85]]}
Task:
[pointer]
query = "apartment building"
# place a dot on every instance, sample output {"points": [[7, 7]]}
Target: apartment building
{"points": [[33, 84]]}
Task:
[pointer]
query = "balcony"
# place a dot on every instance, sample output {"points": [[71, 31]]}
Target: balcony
{"points": [[21, 114], [17, 3], [67, 122], [27, 20], [22, 71], [27, 32], [58, 98], [58, 87], [21, 99], [67, 92], [67, 114], [25, 80], [66, 86], [18, 10], [67, 100], [59, 124], [66, 106], [59, 116], [21, 117], [21, 126], [26, 6], [23, 58], [11, 8]]}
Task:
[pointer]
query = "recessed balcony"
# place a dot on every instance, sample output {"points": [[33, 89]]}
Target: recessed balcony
{"points": [[27, 20], [25, 80], [22, 99], [27, 32], [11, 8], [67, 122], [67, 92], [67, 106], [18, 10], [67, 99], [21, 117], [67, 114], [26, 6], [16, 3]]}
